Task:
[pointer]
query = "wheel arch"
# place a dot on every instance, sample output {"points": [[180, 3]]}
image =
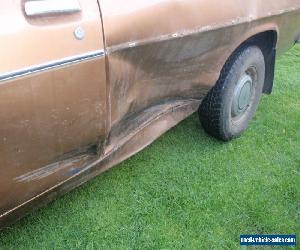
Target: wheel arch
{"points": [[267, 41]]}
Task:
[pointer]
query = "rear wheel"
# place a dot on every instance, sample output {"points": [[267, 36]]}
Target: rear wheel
{"points": [[226, 111]]}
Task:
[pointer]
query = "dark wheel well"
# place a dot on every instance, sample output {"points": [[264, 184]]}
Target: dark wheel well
{"points": [[266, 41]]}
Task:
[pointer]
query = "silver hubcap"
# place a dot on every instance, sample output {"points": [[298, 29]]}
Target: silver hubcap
{"points": [[242, 95]]}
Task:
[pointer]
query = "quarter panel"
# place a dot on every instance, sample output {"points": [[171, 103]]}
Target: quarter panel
{"points": [[159, 51], [163, 50]]}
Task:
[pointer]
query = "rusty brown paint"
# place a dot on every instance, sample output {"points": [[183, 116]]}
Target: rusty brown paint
{"points": [[62, 125]]}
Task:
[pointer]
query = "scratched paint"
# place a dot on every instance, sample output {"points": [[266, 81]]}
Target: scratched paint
{"points": [[50, 169]]}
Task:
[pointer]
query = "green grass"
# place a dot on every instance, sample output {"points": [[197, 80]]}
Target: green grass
{"points": [[187, 190]]}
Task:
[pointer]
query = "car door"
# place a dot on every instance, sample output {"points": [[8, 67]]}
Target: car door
{"points": [[52, 94]]}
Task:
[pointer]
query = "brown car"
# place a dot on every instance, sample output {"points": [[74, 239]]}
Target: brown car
{"points": [[86, 84]]}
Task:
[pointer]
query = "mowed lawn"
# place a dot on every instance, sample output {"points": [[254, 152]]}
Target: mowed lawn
{"points": [[187, 190]]}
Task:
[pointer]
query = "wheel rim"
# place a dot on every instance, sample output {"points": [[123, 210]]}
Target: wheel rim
{"points": [[242, 96]]}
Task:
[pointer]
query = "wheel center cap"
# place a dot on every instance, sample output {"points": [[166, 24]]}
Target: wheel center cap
{"points": [[242, 95]]}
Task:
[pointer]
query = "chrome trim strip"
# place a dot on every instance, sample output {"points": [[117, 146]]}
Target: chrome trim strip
{"points": [[50, 7], [51, 65]]}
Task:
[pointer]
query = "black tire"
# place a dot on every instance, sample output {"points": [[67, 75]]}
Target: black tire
{"points": [[226, 111]]}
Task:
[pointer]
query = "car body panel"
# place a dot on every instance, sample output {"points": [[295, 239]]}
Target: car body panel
{"points": [[161, 51], [52, 97], [42, 39], [142, 69]]}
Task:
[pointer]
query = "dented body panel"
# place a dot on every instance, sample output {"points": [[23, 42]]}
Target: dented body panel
{"points": [[70, 109]]}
